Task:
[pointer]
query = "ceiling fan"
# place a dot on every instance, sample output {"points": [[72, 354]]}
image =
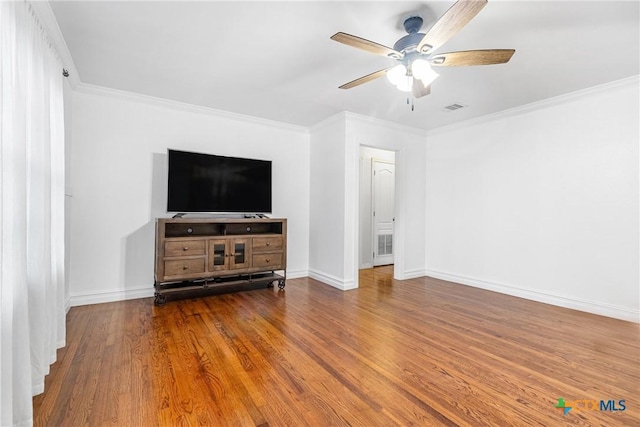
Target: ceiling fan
{"points": [[415, 51]]}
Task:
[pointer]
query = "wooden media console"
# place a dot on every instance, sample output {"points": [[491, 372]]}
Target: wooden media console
{"points": [[206, 255]]}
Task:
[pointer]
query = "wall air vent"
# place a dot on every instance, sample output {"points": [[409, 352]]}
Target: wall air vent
{"points": [[454, 107]]}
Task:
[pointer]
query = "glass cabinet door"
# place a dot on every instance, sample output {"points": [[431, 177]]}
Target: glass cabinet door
{"points": [[228, 254], [218, 259], [239, 253]]}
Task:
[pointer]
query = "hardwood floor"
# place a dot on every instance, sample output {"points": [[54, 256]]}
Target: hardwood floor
{"points": [[418, 352]]}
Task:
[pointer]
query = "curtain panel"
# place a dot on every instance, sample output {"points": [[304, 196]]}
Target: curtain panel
{"points": [[32, 306]]}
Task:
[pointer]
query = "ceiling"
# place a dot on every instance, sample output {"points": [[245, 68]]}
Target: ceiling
{"points": [[274, 60]]}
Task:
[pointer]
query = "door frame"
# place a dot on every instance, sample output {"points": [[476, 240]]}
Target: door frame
{"points": [[352, 222]]}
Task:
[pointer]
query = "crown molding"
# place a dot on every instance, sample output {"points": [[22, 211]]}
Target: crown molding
{"points": [[50, 24], [347, 116], [385, 123], [183, 106], [339, 117], [538, 105]]}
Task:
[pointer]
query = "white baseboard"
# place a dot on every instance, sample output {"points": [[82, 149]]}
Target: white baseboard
{"points": [[87, 298], [413, 274], [296, 274], [602, 309], [334, 281]]}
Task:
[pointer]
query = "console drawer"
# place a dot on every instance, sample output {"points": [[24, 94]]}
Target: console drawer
{"points": [[267, 244], [184, 248], [181, 267], [267, 260]]}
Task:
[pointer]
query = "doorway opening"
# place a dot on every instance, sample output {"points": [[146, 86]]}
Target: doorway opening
{"points": [[376, 208]]}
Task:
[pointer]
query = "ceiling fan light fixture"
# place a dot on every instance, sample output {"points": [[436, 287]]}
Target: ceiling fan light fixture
{"points": [[422, 70], [396, 74]]}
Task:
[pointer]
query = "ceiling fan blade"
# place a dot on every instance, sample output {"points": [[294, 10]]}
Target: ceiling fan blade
{"points": [[364, 44], [419, 90], [472, 57], [450, 23], [365, 79]]}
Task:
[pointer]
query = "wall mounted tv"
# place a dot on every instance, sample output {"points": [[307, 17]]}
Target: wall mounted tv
{"points": [[207, 183]]}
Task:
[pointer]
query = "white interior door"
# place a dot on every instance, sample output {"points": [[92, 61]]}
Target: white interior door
{"points": [[384, 181]]}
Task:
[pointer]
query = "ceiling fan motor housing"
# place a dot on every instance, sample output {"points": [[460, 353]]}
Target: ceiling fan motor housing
{"points": [[412, 24], [409, 42]]}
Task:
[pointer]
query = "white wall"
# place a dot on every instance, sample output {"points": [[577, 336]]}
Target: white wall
{"points": [[542, 203], [367, 154], [335, 152], [410, 151], [117, 173], [327, 220]]}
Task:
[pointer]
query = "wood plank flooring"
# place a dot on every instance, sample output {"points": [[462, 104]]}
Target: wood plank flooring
{"points": [[420, 352]]}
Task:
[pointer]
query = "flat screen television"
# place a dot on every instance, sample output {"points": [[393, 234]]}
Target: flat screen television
{"points": [[200, 182]]}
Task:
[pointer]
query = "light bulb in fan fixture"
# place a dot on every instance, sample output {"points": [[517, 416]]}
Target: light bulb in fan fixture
{"points": [[396, 74], [405, 84], [422, 70]]}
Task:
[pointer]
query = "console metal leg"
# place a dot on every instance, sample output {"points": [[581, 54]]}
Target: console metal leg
{"points": [[160, 299]]}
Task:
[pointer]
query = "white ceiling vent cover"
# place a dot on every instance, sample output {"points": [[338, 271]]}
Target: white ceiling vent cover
{"points": [[454, 107]]}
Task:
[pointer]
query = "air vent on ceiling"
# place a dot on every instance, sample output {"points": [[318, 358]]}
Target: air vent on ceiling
{"points": [[454, 107]]}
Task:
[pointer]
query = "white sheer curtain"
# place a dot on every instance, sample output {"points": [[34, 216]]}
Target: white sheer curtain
{"points": [[32, 316]]}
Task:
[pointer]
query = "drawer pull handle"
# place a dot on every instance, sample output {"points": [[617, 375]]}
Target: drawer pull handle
{"points": [[268, 244], [267, 259], [185, 248], [185, 267]]}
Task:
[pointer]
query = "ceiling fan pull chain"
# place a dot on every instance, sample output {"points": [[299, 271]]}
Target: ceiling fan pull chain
{"points": [[412, 104]]}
